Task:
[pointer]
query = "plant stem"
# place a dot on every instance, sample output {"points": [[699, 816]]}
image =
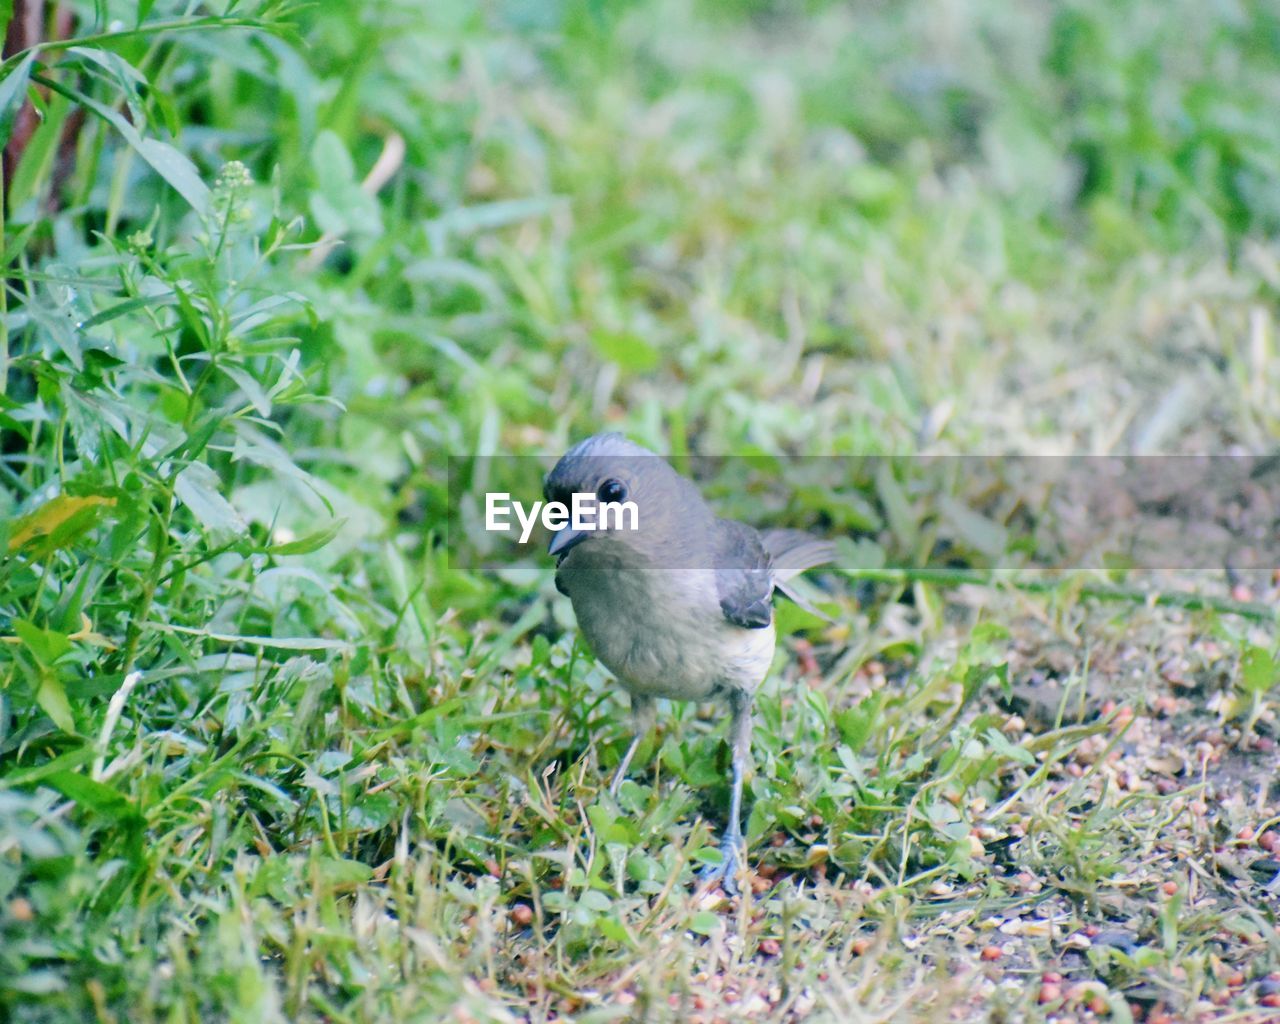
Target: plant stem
{"points": [[153, 28], [143, 610], [1255, 611]]}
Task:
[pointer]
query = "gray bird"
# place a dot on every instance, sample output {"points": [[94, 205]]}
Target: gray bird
{"points": [[680, 606]]}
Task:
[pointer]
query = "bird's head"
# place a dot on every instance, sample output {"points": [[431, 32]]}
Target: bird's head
{"points": [[612, 469]]}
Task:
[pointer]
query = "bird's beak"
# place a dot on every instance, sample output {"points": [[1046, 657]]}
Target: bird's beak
{"points": [[565, 538]]}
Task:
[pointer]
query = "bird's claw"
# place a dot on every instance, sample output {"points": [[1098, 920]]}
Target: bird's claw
{"points": [[726, 872]]}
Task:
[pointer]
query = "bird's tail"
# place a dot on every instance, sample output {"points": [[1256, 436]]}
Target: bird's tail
{"points": [[792, 552]]}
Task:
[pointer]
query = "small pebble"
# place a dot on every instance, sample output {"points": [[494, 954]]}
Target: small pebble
{"points": [[1050, 993], [522, 914], [992, 953], [770, 947]]}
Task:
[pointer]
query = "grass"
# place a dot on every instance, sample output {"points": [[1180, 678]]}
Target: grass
{"points": [[271, 749]]}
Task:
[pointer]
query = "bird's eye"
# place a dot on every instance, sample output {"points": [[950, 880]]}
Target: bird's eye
{"points": [[612, 490]]}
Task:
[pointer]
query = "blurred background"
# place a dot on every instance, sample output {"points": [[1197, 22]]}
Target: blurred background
{"points": [[269, 266]]}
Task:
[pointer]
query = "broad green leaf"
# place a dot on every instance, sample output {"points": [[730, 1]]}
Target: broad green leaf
{"points": [[51, 695], [855, 556], [704, 922], [309, 542], [897, 507], [197, 488], [790, 618], [94, 796], [610, 829], [62, 763], [856, 723], [1258, 670], [339, 871], [176, 169], [13, 93], [60, 519], [121, 308], [980, 533], [164, 159], [629, 351], [339, 205], [613, 929], [247, 383], [45, 645], [1003, 746], [119, 72]]}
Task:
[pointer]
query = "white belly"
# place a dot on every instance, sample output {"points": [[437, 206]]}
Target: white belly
{"points": [[681, 647]]}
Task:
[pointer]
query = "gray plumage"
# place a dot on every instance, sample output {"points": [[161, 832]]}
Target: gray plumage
{"points": [[680, 607]]}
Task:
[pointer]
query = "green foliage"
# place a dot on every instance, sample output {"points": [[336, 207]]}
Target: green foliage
{"points": [[267, 753]]}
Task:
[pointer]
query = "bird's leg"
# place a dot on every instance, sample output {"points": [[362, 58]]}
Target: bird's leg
{"points": [[642, 714], [726, 872]]}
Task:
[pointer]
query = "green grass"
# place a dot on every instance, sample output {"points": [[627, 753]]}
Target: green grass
{"points": [[269, 750]]}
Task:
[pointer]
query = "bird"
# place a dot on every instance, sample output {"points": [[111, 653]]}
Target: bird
{"points": [[676, 602]]}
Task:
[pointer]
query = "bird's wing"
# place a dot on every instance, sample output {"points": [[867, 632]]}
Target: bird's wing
{"points": [[792, 552], [744, 578]]}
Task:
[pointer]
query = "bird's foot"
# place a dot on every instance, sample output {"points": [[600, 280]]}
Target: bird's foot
{"points": [[726, 872]]}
